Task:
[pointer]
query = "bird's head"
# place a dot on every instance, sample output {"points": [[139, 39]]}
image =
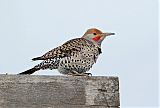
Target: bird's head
{"points": [[96, 36]]}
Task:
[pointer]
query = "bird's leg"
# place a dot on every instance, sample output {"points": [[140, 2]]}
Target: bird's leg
{"points": [[71, 73], [74, 73]]}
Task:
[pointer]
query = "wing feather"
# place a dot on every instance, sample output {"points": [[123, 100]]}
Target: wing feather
{"points": [[66, 50]]}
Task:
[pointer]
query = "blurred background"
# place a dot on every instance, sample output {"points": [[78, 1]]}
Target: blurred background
{"points": [[30, 28]]}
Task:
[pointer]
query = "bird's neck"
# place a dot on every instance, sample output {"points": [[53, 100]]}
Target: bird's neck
{"points": [[97, 43]]}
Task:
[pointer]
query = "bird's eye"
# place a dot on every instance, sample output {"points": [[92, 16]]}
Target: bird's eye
{"points": [[95, 33]]}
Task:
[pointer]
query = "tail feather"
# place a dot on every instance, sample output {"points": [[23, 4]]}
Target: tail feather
{"points": [[30, 71], [37, 58]]}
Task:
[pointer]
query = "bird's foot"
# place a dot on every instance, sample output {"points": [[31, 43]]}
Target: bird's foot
{"points": [[89, 74], [74, 73], [70, 73]]}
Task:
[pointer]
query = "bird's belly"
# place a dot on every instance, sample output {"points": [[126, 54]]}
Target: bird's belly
{"points": [[77, 64]]}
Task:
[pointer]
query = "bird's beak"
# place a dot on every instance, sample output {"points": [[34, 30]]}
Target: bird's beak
{"points": [[104, 35], [107, 34]]}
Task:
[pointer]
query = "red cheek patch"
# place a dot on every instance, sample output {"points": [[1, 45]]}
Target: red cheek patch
{"points": [[96, 38]]}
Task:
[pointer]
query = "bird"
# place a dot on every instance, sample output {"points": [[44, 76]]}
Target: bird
{"points": [[75, 57]]}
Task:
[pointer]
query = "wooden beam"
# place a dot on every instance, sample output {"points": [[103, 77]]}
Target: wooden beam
{"points": [[35, 91]]}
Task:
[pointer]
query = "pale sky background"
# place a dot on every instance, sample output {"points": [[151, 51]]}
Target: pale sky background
{"points": [[29, 28]]}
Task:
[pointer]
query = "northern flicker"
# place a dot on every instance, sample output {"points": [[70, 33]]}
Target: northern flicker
{"points": [[74, 57]]}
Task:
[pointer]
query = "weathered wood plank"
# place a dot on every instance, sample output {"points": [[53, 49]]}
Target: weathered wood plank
{"points": [[58, 91]]}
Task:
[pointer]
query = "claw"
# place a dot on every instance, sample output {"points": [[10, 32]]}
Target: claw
{"points": [[89, 74]]}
